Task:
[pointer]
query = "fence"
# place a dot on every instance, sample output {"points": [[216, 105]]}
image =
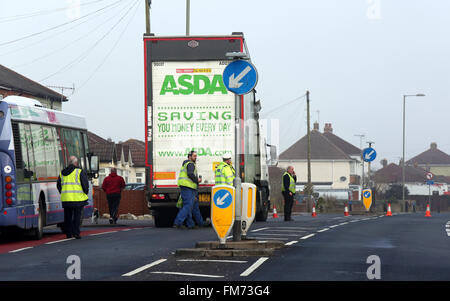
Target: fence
{"points": [[132, 201]]}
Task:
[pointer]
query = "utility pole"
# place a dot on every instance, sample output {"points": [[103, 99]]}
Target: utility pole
{"points": [[361, 136], [147, 15], [309, 190], [188, 12]]}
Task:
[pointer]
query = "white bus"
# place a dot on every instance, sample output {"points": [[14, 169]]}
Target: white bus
{"points": [[35, 144]]}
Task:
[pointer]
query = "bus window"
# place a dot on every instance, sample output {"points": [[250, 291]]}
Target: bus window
{"points": [[61, 148], [39, 152], [51, 152], [27, 152], [74, 145]]}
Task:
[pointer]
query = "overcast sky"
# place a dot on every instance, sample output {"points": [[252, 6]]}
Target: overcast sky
{"points": [[356, 57]]}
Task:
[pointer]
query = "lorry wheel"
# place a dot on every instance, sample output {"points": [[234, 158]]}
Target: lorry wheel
{"points": [[261, 215]]}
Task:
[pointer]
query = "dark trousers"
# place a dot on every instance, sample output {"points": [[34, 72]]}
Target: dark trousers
{"points": [[288, 202], [113, 204], [72, 221]]}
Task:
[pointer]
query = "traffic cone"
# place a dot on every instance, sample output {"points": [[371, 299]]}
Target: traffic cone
{"points": [[428, 213], [314, 214], [389, 211], [275, 214], [346, 210]]}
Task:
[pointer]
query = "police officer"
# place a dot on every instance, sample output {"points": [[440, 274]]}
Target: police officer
{"points": [[73, 185], [188, 181], [288, 190], [225, 172]]}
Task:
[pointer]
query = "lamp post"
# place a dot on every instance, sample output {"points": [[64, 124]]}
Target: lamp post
{"points": [[403, 158]]}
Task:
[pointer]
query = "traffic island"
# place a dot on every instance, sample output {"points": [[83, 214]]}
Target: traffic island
{"points": [[232, 249]]}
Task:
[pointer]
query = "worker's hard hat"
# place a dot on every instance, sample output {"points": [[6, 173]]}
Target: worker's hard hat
{"points": [[226, 157]]}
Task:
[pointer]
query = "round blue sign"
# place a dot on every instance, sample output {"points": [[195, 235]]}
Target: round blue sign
{"points": [[240, 77], [223, 199], [369, 154], [367, 194]]}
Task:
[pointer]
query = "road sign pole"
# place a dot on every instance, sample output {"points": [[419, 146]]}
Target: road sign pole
{"points": [[237, 230]]}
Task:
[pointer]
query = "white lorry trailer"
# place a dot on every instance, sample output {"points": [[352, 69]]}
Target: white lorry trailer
{"points": [[187, 107]]}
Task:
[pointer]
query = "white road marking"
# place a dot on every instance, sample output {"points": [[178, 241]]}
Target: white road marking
{"points": [[291, 243], [365, 219], [262, 241], [269, 238], [337, 217], [287, 230], [212, 260], [308, 236], [254, 266], [323, 230], [102, 233], [188, 274], [274, 234], [354, 221], [56, 241], [259, 229], [333, 226], [138, 270], [343, 223], [18, 250]]}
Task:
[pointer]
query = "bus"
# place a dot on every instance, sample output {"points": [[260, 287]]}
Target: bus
{"points": [[35, 145]]}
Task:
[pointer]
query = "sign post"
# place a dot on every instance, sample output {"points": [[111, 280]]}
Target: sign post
{"points": [[239, 77], [429, 182], [223, 207]]}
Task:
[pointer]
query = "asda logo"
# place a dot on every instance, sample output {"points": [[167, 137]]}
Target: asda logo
{"points": [[198, 84]]}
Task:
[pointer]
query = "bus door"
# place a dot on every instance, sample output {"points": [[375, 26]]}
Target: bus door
{"points": [[25, 173]]}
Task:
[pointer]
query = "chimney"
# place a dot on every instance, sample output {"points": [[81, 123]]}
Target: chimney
{"points": [[433, 145], [384, 162], [328, 128], [316, 126]]}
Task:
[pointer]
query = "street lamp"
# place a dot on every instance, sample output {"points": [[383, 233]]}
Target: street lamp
{"points": [[403, 160]]}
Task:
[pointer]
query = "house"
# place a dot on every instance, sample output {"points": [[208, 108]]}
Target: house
{"points": [[126, 157], [415, 179], [13, 83], [334, 164], [432, 160]]}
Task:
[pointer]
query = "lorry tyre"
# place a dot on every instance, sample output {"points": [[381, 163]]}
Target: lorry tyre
{"points": [[261, 215]]}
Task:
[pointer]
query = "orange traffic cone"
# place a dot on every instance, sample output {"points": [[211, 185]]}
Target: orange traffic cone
{"points": [[314, 214], [428, 213], [389, 211], [346, 210], [275, 214]]}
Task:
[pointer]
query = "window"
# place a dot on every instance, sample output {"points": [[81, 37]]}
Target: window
{"points": [[138, 180], [139, 174], [52, 157], [74, 145]]}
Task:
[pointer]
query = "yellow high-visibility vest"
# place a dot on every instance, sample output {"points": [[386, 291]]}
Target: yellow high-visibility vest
{"points": [[291, 183], [184, 180], [71, 190]]}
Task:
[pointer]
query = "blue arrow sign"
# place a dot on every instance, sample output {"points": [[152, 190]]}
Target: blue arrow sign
{"points": [[223, 198], [367, 194], [240, 77], [369, 154], [430, 182]]}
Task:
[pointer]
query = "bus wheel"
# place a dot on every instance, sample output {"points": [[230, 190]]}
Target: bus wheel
{"points": [[39, 231]]}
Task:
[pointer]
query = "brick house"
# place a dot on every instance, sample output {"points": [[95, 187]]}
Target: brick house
{"points": [[13, 83], [433, 160]]}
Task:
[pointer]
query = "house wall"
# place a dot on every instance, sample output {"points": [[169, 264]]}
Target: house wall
{"points": [[440, 170], [322, 171], [130, 174]]}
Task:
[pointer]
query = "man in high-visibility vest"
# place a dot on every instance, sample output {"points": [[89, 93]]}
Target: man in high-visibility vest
{"points": [[73, 185], [288, 190], [188, 181], [225, 172]]}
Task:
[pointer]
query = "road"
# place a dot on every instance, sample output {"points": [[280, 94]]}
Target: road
{"points": [[328, 247]]}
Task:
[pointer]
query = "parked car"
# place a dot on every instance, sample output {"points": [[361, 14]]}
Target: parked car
{"points": [[133, 186]]}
